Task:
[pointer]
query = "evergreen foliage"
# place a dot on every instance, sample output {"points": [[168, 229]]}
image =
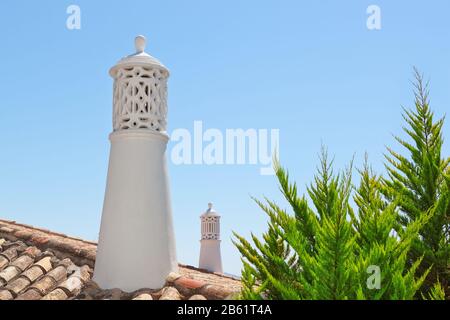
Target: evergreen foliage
{"points": [[419, 182], [387, 238]]}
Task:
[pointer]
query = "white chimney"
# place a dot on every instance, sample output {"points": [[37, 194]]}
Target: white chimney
{"points": [[136, 247], [210, 257]]}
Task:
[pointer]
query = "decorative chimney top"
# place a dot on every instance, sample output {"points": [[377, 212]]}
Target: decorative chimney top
{"points": [[140, 91], [210, 255], [210, 221]]}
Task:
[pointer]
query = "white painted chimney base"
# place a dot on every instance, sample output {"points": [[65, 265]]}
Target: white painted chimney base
{"points": [[210, 257], [136, 243]]}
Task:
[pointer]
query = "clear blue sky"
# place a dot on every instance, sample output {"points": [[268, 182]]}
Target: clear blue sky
{"points": [[309, 68]]}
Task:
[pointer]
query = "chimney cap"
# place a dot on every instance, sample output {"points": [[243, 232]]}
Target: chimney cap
{"points": [[210, 211], [139, 58]]}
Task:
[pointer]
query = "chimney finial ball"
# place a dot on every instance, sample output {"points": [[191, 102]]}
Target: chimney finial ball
{"points": [[140, 43]]}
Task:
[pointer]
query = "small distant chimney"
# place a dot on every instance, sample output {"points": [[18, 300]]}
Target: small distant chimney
{"points": [[210, 256], [136, 247]]}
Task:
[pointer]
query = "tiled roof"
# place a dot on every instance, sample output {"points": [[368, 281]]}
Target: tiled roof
{"points": [[40, 264]]}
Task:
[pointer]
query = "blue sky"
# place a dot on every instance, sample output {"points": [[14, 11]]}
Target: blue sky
{"points": [[309, 68]]}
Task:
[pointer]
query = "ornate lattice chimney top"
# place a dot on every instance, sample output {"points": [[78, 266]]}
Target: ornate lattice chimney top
{"points": [[140, 91], [210, 224]]}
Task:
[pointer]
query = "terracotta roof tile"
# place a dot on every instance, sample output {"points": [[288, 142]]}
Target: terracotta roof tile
{"points": [[215, 293], [58, 274], [9, 273], [188, 286], [40, 264], [33, 273], [22, 262], [45, 264], [72, 285], [57, 294], [44, 285], [170, 293], [9, 254], [5, 295], [30, 294], [18, 285]]}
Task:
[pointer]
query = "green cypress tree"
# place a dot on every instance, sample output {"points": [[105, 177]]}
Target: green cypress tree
{"points": [[324, 251], [400, 227], [419, 183], [307, 255]]}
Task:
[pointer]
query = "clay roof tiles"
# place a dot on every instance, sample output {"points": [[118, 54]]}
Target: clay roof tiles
{"points": [[40, 264]]}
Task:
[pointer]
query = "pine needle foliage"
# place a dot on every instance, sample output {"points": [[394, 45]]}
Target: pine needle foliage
{"points": [[379, 245], [387, 238], [323, 251], [418, 182]]}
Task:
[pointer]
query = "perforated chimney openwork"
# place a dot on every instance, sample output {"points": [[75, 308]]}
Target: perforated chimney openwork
{"points": [[140, 98], [210, 227]]}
